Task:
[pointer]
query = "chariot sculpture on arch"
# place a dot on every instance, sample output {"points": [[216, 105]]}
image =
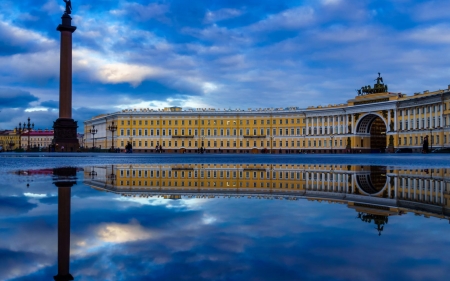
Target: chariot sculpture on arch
{"points": [[68, 10]]}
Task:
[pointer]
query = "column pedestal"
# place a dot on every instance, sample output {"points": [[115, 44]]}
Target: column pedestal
{"points": [[65, 135]]}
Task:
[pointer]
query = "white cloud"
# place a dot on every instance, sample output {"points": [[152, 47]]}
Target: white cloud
{"points": [[290, 19], [434, 34], [222, 14]]}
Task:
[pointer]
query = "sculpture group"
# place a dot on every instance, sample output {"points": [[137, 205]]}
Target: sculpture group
{"points": [[379, 87]]}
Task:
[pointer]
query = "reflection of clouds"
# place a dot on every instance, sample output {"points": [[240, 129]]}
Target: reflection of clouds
{"points": [[124, 238], [121, 233], [34, 195]]}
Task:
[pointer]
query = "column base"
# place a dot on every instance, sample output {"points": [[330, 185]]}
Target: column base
{"points": [[65, 135], [63, 277]]}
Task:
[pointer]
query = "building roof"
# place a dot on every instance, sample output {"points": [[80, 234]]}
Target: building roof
{"points": [[39, 133]]}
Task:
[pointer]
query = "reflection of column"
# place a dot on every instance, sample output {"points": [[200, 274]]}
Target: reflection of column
{"points": [[420, 189], [415, 189], [64, 181], [396, 187]]}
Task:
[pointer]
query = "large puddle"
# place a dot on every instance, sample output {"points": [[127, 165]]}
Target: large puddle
{"points": [[225, 222]]}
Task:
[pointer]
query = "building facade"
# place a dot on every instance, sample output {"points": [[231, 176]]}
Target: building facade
{"points": [[9, 140], [374, 121], [41, 139]]}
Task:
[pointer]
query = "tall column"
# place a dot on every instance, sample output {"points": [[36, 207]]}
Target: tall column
{"points": [[65, 128]]}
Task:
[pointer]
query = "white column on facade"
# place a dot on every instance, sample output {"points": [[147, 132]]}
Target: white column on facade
{"points": [[427, 184], [395, 120], [323, 125], [389, 122], [307, 126], [409, 119], [414, 119]]}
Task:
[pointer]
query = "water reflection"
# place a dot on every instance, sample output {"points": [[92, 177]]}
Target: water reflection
{"points": [[118, 231], [374, 192], [64, 179]]}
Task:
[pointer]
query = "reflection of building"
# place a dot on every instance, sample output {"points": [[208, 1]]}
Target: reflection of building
{"points": [[372, 121], [374, 191], [39, 138]]}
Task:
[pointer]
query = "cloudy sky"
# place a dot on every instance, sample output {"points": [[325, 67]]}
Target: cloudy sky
{"points": [[233, 54]]}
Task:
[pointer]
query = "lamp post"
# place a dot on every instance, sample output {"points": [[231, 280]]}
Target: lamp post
{"points": [[28, 126], [93, 131], [271, 144], [332, 138], [203, 144], [11, 145], [112, 128]]}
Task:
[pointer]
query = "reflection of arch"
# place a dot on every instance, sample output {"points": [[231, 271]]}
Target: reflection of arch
{"points": [[374, 183], [366, 121]]}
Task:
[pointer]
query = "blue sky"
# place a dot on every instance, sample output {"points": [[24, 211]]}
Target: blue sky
{"points": [[222, 54]]}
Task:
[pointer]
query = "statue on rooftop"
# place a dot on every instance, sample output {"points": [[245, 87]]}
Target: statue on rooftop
{"points": [[379, 78], [68, 10]]}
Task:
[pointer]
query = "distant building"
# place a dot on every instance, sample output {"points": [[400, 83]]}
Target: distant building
{"points": [[9, 140], [38, 138]]}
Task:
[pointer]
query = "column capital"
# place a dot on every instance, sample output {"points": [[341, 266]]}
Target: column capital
{"points": [[66, 24]]}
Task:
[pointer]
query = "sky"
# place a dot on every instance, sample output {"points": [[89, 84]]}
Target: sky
{"points": [[123, 238], [219, 54]]}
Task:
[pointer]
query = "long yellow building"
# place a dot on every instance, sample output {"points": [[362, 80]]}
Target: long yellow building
{"points": [[374, 121]]}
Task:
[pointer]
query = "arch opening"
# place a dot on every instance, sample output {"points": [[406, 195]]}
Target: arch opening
{"points": [[374, 126]]}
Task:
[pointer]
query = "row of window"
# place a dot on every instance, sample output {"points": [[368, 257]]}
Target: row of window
{"points": [[214, 132], [420, 123], [423, 110], [261, 144], [433, 140], [210, 122], [233, 174]]}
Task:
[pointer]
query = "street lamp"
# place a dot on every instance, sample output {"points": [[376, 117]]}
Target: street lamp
{"points": [[203, 144], [332, 138], [93, 131], [11, 144], [431, 135], [271, 144], [21, 129], [112, 128]]}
